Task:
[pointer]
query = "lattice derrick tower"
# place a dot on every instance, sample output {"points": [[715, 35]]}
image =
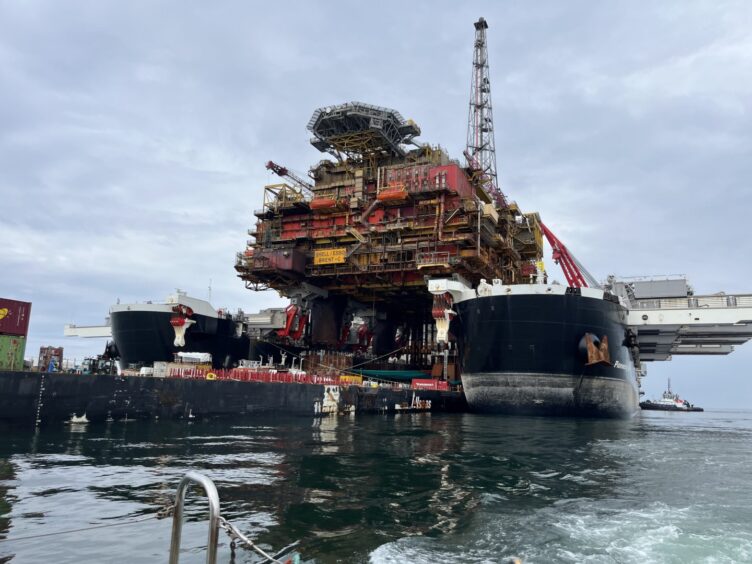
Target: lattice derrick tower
{"points": [[481, 144]]}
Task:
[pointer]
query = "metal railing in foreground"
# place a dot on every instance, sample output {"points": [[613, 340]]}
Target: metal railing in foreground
{"points": [[177, 517], [216, 521]]}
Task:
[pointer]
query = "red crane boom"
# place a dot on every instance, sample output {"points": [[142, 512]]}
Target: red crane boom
{"points": [[574, 272], [284, 172]]}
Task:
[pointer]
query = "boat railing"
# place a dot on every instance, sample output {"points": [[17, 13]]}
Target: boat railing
{"points": [[210, 490], [724, 301], [216, 522]]}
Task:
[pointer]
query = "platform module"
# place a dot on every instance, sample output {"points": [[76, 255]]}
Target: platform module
{"points": [[669, 319]]}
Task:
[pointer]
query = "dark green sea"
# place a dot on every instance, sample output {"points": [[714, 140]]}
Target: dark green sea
{"points": [[663, 487]]}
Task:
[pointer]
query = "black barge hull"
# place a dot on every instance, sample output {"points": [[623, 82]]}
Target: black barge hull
{"points": [[28, 397], [526, 354]]}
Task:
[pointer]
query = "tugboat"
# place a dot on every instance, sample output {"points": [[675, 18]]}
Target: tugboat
{"points": [[669, 402]]}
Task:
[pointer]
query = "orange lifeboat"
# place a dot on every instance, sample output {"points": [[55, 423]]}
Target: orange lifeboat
{"points": [[323, 203], [392, 195]]}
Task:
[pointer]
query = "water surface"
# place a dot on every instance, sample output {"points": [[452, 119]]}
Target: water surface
{"points": [[664, 487]]}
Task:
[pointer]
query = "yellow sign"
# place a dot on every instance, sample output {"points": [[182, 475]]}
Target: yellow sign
{"points": [[3, 313], [329, 256], [541, 267], [351, 379]]}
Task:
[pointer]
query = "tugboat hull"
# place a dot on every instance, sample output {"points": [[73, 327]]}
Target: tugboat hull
{"points": [[652, 406]]}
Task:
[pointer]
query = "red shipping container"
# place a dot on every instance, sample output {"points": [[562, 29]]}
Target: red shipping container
{"points": [[426, 384], [14, 317]]}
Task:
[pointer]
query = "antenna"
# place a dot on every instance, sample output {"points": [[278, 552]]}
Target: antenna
{"points": [[481, 146], [210, 283]]}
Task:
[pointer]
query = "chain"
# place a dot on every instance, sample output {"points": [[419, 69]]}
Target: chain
{"points": [[237, 537], [167, 510]]}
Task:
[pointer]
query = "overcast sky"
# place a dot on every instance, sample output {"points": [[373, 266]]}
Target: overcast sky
{"points": [[133, 137]]}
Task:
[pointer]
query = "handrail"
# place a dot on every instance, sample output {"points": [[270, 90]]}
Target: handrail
{"points": [[210, 489], [726, 301]]}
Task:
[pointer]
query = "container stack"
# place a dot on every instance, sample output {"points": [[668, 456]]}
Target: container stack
{"points": [[14, 328]]}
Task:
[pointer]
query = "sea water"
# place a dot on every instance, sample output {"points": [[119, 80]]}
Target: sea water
{"points": [[662, 487]]}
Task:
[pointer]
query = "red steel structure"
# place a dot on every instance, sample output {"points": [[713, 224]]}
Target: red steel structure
{"points": [[353, 247]]}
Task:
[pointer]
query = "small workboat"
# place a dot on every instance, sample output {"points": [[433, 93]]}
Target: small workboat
{"points": [[669, 402]]}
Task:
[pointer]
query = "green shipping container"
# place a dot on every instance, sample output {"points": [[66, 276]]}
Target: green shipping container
{"points": [[12, 351]]}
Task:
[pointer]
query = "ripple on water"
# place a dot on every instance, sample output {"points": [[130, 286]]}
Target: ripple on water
{"points": [[454, 488]]}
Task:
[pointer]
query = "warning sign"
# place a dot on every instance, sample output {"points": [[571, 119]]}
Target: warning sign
{"points": [[351, 379], [329, 256]]}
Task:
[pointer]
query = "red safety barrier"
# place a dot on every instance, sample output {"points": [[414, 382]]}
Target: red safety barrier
{"points": [[421, 384], [272, 375]]}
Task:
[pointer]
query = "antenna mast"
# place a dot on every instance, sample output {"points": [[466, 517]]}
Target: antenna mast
{"points": [[481, 146]]}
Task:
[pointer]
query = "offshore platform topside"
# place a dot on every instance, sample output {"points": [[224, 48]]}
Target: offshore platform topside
{"points": [[397, 257], [353, 246]]}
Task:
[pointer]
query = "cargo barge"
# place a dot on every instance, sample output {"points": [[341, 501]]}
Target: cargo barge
{"points": [[40, 398]]}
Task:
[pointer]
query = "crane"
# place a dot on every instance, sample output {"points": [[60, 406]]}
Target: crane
{"points": [[305, 187], [577, 275]]}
